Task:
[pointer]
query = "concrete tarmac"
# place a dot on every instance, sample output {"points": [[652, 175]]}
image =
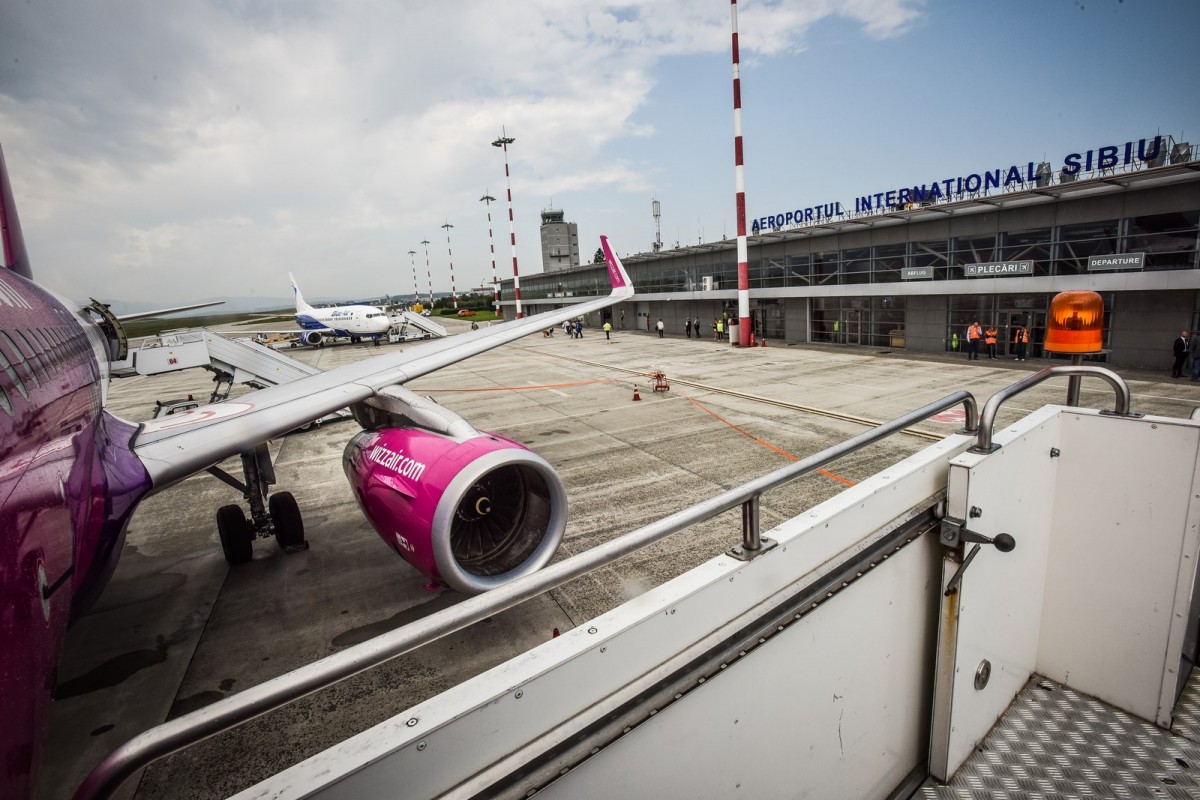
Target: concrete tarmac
{"points": [[177, 628]]}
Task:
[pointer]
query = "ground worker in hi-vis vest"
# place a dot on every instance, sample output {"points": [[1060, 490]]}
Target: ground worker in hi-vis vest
{"points": [[1021, 337], [974, 334], [990, 337]]}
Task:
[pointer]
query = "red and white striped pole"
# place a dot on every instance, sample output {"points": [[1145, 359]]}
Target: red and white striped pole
{"points": [[488, 200], [740, 183], [412, 254], [428, 274], [504, 141], [450, 253]]}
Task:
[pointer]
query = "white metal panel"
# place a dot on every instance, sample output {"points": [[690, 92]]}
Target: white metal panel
{"points": [[995, 615], [838, 707], [168, 358], [1122, 559]]}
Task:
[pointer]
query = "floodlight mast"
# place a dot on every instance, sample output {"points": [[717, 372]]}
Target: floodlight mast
{"points": [[487, 200], [412, 254], [428, 273], [450, 253], [503, 142], [740, 180]]}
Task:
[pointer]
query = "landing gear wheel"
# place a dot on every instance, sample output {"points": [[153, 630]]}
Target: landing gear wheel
{"points": [[235, 534], [289, 525]]}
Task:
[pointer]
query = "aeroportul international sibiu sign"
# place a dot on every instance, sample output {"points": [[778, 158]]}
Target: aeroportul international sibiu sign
{"points": [[958, 187]]}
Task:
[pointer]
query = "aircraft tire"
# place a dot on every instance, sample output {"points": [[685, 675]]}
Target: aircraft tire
{"points": [[289, 525], [234, 530]]}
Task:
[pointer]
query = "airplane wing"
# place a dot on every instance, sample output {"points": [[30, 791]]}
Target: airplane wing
{"points": [[252, 331], [162, 312], [174, 447]]}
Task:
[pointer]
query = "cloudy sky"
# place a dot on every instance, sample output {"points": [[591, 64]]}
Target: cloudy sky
{"points": [[163, 152]]}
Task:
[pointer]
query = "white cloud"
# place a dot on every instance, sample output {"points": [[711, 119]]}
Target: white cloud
{"points": [[165, 150]]}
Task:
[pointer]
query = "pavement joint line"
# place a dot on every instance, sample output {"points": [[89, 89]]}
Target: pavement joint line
{"points": [[757, 398]]}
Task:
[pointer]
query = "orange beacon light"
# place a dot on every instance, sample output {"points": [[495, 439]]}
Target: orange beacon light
{"points": [[1076, 323]]}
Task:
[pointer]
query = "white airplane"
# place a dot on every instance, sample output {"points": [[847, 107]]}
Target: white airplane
{"points": [[354, 322]]}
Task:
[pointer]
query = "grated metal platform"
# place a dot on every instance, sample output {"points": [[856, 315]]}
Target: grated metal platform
{"points": [[1056, 743]]}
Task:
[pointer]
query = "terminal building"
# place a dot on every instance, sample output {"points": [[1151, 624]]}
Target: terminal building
{"points": [[911, 267]]}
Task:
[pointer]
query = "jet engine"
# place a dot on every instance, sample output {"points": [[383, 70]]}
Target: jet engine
{"points": [[311, 337], [473, 513]]}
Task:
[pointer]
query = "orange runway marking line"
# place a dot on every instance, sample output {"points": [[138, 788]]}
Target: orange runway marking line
{"points": [[767, 445]]}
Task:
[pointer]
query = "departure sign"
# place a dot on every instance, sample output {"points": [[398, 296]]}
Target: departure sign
{"points": [[998, 269], [1123, 261]]}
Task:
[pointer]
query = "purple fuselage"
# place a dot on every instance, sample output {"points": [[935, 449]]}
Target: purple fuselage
{"points": [[68, 485]]}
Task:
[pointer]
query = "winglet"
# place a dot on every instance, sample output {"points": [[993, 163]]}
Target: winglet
{"points": [[15, 257], [616, 270]]}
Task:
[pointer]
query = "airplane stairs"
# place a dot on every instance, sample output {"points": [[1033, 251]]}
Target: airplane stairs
{"points": [[863, 649], [234, 361], [427, 327]]}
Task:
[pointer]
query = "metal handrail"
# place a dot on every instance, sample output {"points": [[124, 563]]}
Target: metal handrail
{"points": [[986, 422], [173, 735]]}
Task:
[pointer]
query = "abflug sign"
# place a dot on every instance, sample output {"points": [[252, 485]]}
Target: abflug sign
{"points": [[1019, 175]]}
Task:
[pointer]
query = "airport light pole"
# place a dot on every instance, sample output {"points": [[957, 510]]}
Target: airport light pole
{"points": [[503, 142], [450, 253], [487, 200], [740, 182], [428, 274], [412, 254]]}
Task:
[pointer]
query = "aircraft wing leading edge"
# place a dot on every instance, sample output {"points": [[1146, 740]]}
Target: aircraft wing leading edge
{"points": [[180, 445]]}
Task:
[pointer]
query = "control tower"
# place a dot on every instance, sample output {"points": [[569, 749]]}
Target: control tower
{"points": [[560, 241]]}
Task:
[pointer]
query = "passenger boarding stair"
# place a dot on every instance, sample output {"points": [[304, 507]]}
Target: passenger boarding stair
{"points": [[408, 319], [865, 648], [233, 361]]}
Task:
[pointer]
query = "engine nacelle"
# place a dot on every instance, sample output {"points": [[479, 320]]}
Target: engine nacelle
{"points": [[473, 514], [311, 337]]}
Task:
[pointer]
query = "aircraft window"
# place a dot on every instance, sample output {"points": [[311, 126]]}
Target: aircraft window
{"points": [[33, 354], [45, 348], [35, 342], [55, 346], [7, 368], [23, 356]]}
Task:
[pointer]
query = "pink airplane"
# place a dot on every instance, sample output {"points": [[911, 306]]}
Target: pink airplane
{"points": [[469, 509]]}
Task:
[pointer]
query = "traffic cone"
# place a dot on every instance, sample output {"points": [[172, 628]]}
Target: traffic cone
{"points": [[762, 342], [636, 396]]}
